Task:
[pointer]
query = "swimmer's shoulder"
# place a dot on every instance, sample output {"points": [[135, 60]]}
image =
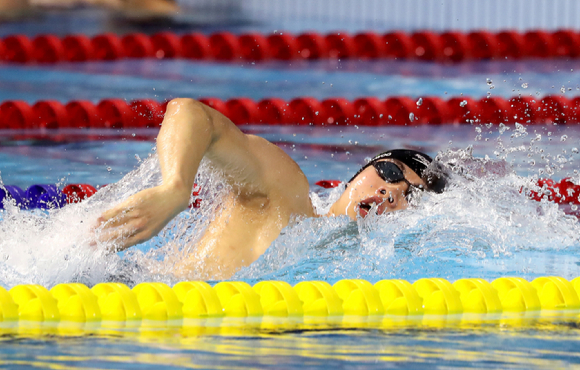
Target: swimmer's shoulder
{"points": [[282, 175]]}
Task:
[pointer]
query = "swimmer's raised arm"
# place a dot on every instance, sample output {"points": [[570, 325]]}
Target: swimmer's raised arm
{"points": [[190, 131]]}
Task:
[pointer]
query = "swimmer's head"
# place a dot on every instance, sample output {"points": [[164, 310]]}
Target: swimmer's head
{"points": [[388, 182]]}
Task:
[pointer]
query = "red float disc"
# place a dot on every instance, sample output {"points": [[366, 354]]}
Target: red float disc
{"points": [[338, 111], [254, 46], [574, 112], [369, 45], [495, 110], [273, 111], [147, 113], [283, 46], [115, 113], [242, 111], [525, 109], [166, 45], [2, 49], [18, 49], [307, 111], [216, 104], [433, 110], [137, 45], [463, 110], [554, 109], [401, 111], [195, 46], [76, 193], [539, 44], [312, 46], [482, 45], [224, 46], [370, 111], [510, 44], [16, 114], [50, 114], [327, 184], [570, 192], [548, 186], [427, 46], [566, 43], [455, 46], [107, 47], [77, 48], [398, 45], [47, 49], [340, 45], [82, 114]]}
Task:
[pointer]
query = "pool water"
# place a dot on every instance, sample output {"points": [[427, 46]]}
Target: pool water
{"points": [[483, 227], [550, 347]]}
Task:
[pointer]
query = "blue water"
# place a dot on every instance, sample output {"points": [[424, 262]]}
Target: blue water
{"points": [[483, 228], [548, 347], [166, 79]]}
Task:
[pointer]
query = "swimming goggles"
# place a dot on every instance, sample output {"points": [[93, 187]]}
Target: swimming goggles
{"points": [[391, 173]]}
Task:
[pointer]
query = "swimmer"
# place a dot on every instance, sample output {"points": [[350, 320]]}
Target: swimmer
{"points": [[268, 189], [11, 9]]}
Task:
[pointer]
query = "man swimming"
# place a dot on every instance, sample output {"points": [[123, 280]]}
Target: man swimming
{"points": [[267, 189]]}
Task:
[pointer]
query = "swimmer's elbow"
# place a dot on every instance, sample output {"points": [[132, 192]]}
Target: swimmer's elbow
{"points": [[193, 111], [188, 106]]}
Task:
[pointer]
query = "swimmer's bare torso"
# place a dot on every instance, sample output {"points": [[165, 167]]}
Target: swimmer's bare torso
{"points": [[268, 188]]}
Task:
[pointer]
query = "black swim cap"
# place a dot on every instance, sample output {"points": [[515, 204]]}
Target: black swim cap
{"points": [[418, 162]]}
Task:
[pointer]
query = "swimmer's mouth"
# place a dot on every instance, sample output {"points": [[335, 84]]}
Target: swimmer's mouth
{"points": [[369, 204]]}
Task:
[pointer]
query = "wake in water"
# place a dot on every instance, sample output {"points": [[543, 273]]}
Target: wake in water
{"points": [[484, 225]]}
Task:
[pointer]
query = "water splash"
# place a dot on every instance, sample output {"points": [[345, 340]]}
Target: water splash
{"points": [[484, 225], [60, 245]]}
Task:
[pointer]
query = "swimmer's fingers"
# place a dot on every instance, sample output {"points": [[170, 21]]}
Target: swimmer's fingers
{"points": [[116, 216], [123, 237]]}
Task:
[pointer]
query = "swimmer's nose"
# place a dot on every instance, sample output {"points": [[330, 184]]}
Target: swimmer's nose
{"points": [[394, 198]]}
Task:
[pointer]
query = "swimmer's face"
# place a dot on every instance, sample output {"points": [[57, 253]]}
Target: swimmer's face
{"points": [[369, 193]]}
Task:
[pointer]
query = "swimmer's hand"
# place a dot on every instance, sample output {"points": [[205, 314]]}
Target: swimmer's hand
{"points": [[141, 216]]}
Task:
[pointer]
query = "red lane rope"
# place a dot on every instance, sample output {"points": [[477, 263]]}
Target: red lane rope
{"points": [[424, 45], [398, 110], [50, 196], [562, 192]]}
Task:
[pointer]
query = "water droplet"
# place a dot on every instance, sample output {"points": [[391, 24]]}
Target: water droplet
{"points": [[133, 134], [575, 150], [525, 85], [563, 138], [489, 81], [562, 89], [463, 103], [532, 162], [419, 102], [411, 117], [109, 169], [491, 87]]}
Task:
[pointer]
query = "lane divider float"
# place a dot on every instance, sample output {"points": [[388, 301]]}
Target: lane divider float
{"points": [[347, 298], [448, 47], [365, 111], [564, 191], [45, 196]]}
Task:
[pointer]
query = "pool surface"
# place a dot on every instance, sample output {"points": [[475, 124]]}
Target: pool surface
{"points": [[484, 226]]}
